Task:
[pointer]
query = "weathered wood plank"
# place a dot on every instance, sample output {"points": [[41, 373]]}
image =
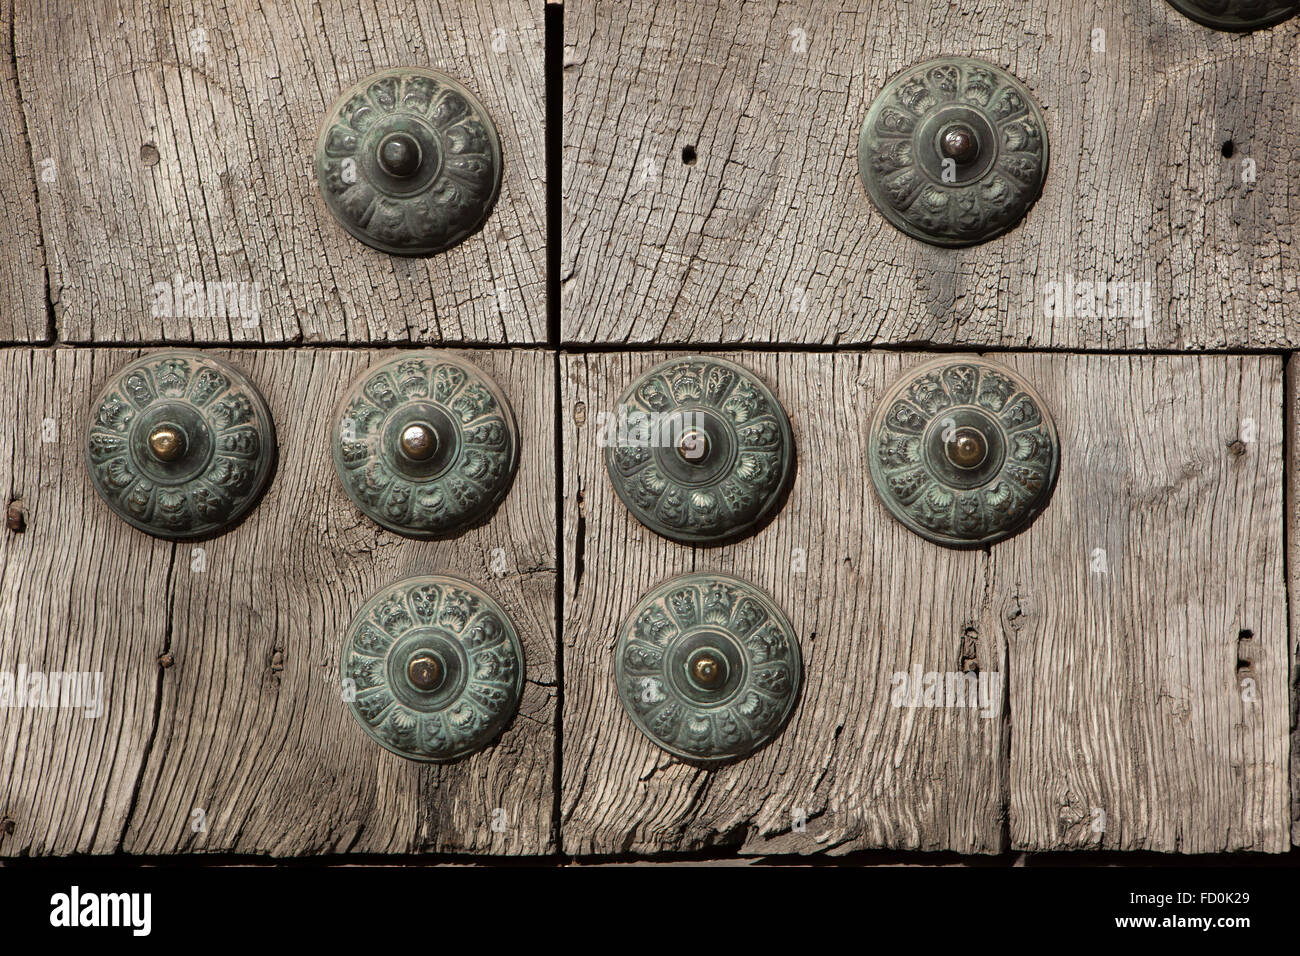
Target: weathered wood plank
{"points": [[1145, 612], [764, 233], [183, 137], [22, 260], [1124, 691], [246, 722], [873, 601], [1292, 468], [66, 782]]}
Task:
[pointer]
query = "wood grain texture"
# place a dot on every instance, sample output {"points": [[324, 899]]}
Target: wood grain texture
{"points": [[1162, 739], [1292, 492], [1156, 690], [874, 600], [766, 234], [246, 721], [22, 259], [184, 133]]}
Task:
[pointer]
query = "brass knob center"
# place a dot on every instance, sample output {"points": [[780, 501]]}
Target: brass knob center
{"points": [[166, 443], [399, 155], [424, 672], [693, 446], [419, 442], [708, 669], [959, 144], [966, 448]]}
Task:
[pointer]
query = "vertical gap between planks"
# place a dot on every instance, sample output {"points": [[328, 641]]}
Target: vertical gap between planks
{"points": [[553, 64]]}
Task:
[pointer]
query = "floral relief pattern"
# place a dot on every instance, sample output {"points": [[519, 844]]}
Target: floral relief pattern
{"points": [[474, 711], [458, 179], [483, 452], [920, 495], [748, 713], [733, 500], [909, 192], [225, 415]]}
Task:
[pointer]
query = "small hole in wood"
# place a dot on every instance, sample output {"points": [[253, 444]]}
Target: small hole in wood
{"points": [[1228, 149], [1245, 635], [15, 519], [688, 155]]}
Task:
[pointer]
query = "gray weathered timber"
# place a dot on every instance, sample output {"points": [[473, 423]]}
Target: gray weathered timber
{"points": [[764, 233], [1293, 574], [1123, 689], [1133, 669], [872, 600], [182, 137], [22, 261], [243, 718]]}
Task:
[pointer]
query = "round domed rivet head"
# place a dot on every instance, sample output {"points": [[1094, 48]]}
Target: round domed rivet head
{"points": [[1237, 16], [953, 151], [424, 671], [437, 668], [409, 161], [963, 452], [966, 448], [399, 155], [693, 445], [419, 442], [959, 144], [708, 667], [425, 444], [167, 443], [180, 444], [701, 452]]}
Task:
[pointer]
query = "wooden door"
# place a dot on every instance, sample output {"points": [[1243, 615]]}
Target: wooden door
{"points": [[705, 197]]}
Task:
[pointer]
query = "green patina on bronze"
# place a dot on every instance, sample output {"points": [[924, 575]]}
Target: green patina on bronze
{"points": [[1238, 16], [963, 452], [953, 151], [433, 669], [409, 161], [180, 444], [425, 444], [708, 667], [699, 450]]}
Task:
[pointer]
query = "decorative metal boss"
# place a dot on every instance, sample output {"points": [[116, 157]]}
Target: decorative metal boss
{"points": [[700, 450], [708, 667], [425, 444], [953, 151], [180, 444], [1239, 16], [409, 161], [436, 667], [963, 452]]}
